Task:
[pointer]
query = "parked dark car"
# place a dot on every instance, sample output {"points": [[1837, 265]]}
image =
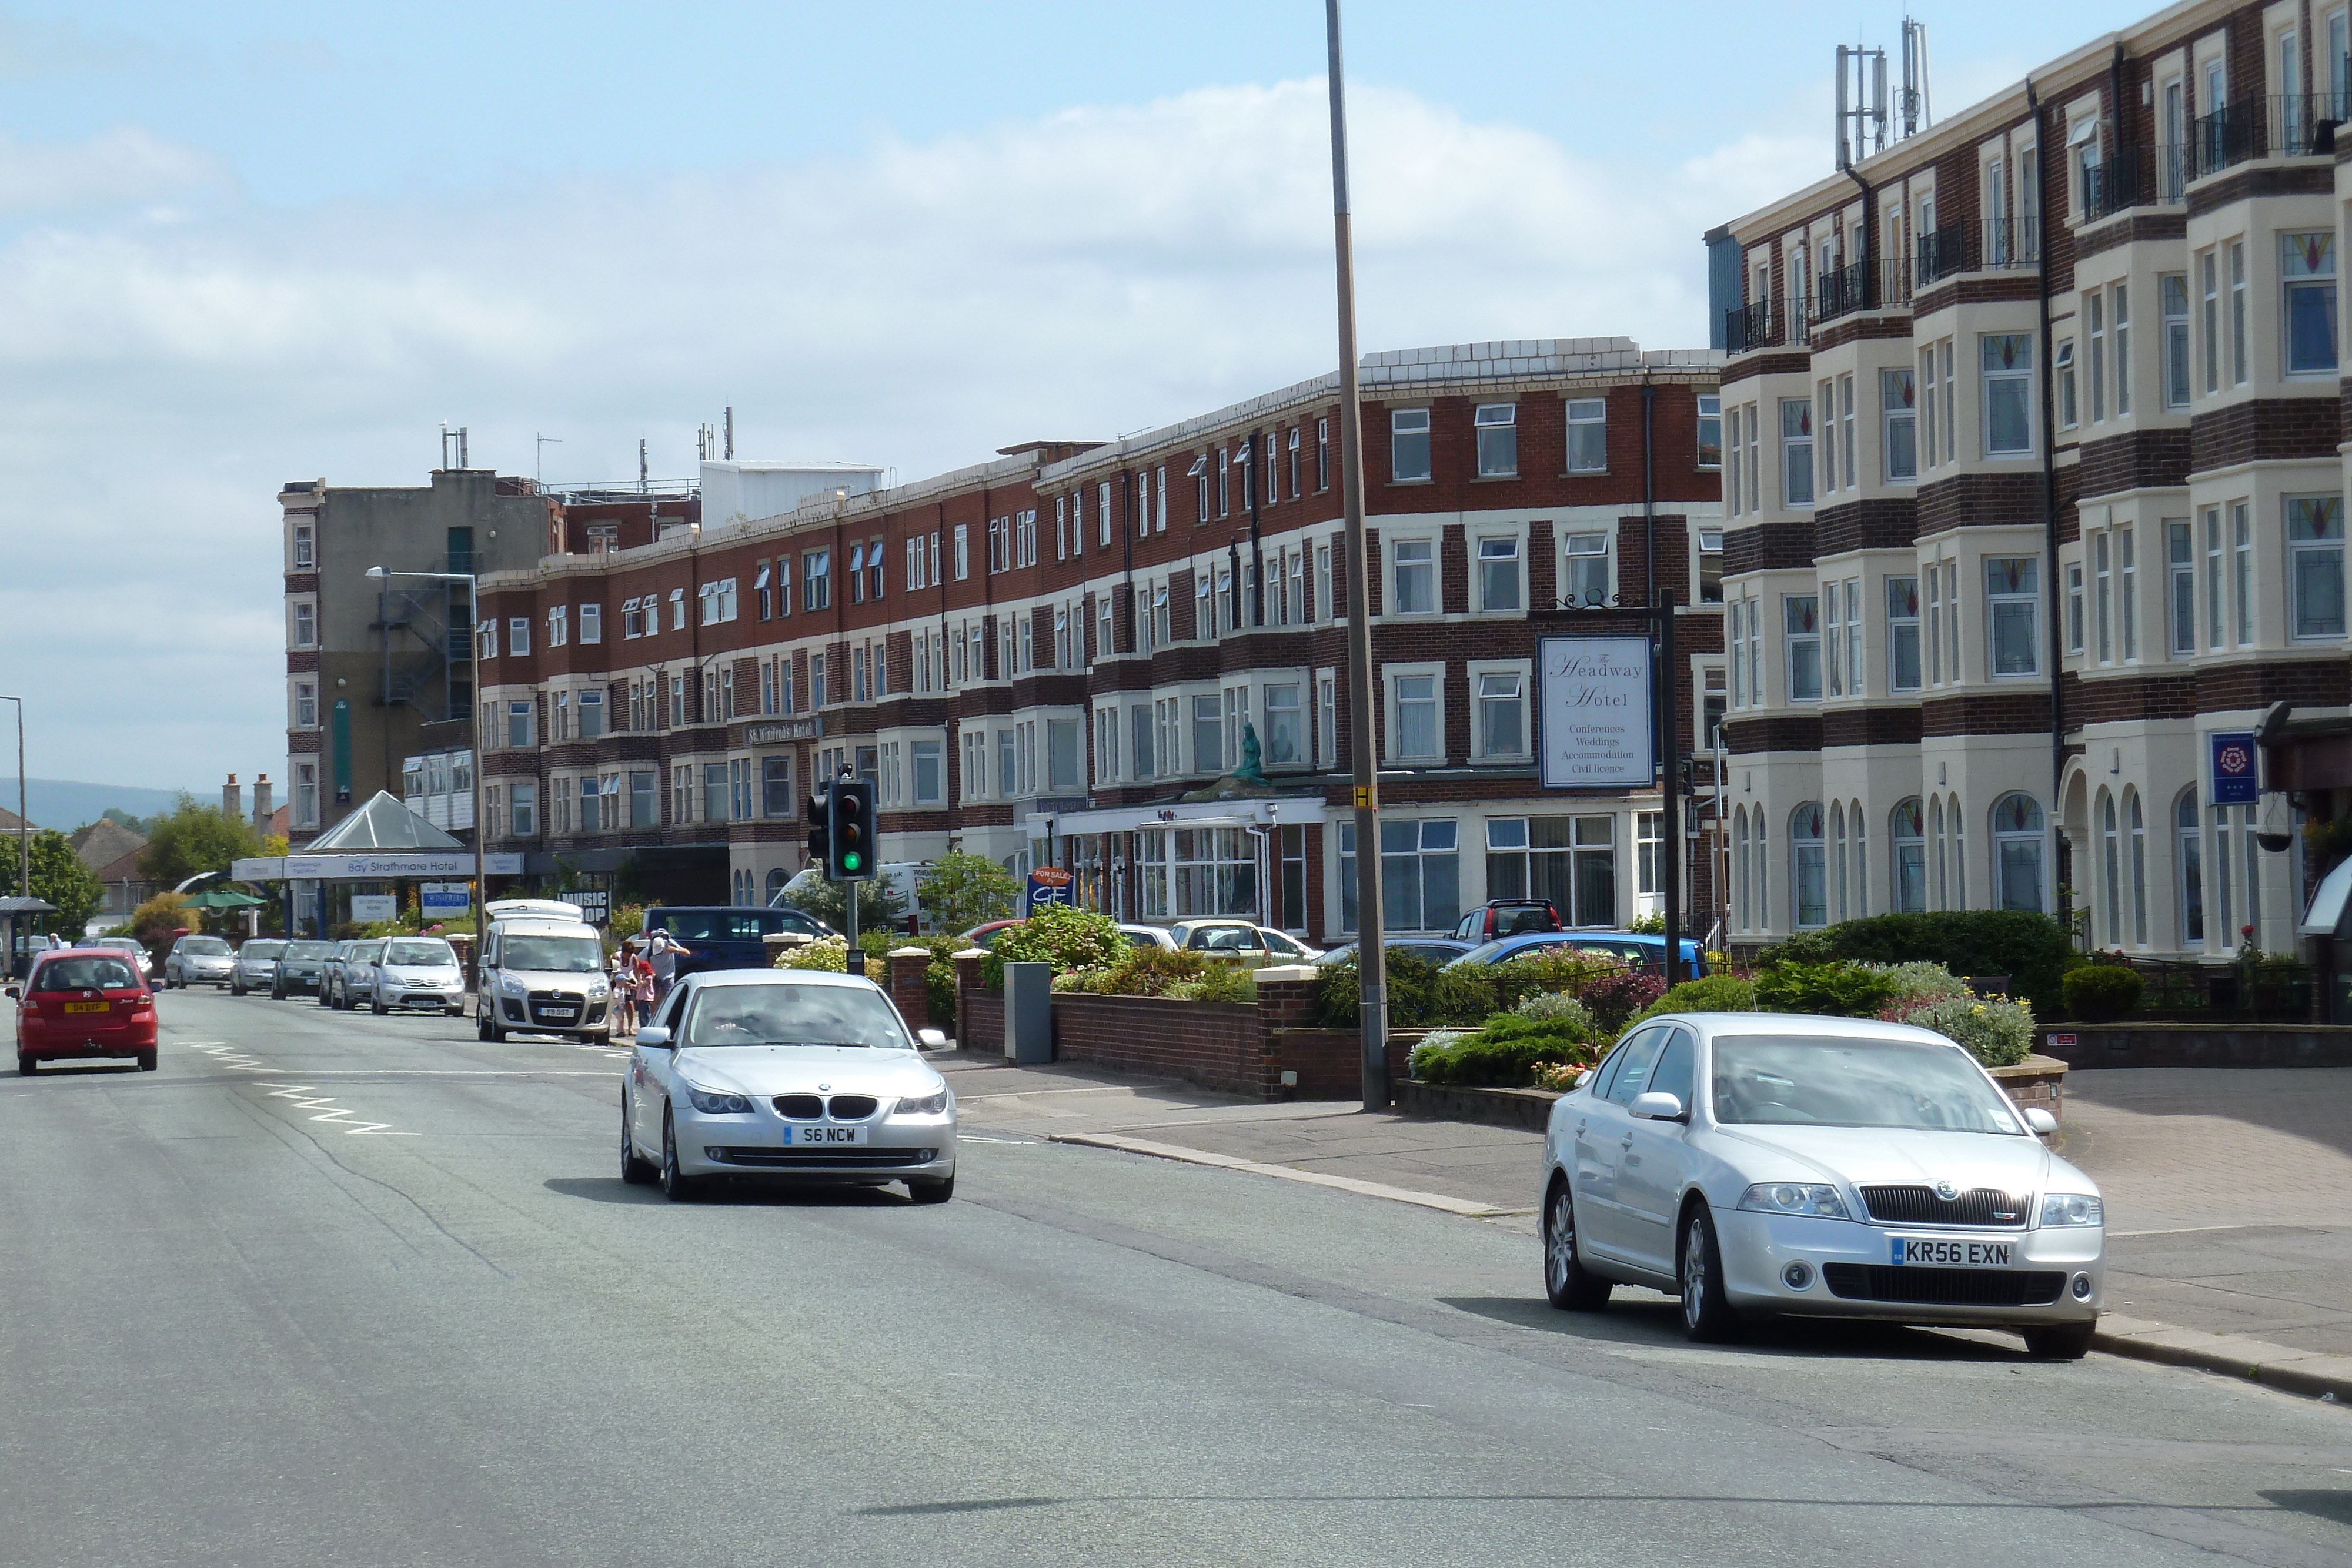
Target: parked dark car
{"points": [[727, 936], [1643, 953], [1438, 951], [300, 969], [1499, 917]]}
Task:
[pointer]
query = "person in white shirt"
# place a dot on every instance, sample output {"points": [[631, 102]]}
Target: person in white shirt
{"points": [[663, 951]]}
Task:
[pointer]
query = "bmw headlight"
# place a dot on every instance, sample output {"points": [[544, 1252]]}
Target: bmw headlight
{"points": [[714, 1103], [928, 1105], [1794, 1198], [2070, 1209]]}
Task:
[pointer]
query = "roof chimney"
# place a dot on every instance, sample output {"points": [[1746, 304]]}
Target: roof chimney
{"points": [[232, 799], [261, 807]]}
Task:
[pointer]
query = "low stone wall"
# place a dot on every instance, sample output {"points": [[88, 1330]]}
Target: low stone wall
{"points": [[1329, 1061], [1525, 1108], [1216, 1045], [2038, 1081], [2128, 1043]]}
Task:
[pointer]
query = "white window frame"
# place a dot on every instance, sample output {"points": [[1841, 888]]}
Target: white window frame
{"points": [[1491, 549], [1405, 424], [1391, 730], [1496, 426], [1393, 549], [1522, 672], [1586, 449]]}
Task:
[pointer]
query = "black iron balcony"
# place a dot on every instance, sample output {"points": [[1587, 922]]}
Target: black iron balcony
{"points": [[2285, 125], [1751, 326], [1895, 282], [2117, 185], [1844, 290], [2012, 242], [1943, 253]]}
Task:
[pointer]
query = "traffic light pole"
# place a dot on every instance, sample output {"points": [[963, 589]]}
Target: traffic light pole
{"points": [[857, 962]]}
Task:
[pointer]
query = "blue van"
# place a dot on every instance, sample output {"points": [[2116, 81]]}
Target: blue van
{"points": [[726, 936]]}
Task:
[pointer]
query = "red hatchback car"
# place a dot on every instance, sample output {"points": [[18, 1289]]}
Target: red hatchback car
{"points": [[82, 1002]]}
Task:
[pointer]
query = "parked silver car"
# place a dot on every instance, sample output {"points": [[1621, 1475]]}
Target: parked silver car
{"points": [[789, 1073], [1763, 1163], [198, 961], [257, 966], [351, 976], [417, 972]]}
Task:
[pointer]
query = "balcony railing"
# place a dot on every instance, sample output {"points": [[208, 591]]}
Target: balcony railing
{"points": [[1943, 253], [2117, 185], [1751, 326], [2284, 125], [2012, 242], [1845, 290]]}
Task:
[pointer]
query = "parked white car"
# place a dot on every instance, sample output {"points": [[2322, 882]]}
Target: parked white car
{"points": [[1764, 1162], [198, 961], [791, 1074], [1224, 937]]}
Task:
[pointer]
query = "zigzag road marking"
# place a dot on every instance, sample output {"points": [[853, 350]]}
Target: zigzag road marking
{"points": [[295, 1092]]}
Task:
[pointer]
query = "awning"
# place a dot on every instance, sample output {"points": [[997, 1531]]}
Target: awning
{"points": [[2330, 903]]}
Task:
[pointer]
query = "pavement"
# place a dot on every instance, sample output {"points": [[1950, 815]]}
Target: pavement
{"points": [[329, 1290], [2228, 1191]]}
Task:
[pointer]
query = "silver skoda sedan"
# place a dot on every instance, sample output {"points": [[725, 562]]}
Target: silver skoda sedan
{"points": [[1762, 1163], [793, 1073]]}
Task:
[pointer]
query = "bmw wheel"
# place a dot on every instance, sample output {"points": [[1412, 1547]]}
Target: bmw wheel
{"points": [[932, 1191], [1571, 1286], [1708, 1316], [675, 1185], [635, 1169]]}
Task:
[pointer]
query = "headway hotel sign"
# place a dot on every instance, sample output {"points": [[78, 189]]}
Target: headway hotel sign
{"points": [[1596, 729], [2234, 779]]}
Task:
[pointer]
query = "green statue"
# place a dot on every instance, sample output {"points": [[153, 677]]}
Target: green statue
{"points": [[1250, 771]]}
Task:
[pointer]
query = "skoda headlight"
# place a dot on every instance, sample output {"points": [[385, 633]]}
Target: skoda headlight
{"points": [[929, 1105], [715, 1102], [1794, 1198], [2070, 1209]]}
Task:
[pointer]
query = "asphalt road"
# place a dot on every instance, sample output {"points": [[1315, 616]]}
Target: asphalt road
{"points": [[329, 1289]]}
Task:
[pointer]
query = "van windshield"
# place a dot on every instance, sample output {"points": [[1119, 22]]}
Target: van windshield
{"points": [[560, 955], [692, 925], [423, 955]]}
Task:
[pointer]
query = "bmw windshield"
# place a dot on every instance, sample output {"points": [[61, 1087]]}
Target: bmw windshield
{"points": [[793, 1015]]}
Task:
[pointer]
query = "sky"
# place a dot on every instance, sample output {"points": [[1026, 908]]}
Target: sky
{"points": [[242, 244]]}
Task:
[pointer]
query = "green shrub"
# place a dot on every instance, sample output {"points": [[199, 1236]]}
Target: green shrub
{"points": [[1921, 982], [1504, 1054], [1998, 1032], [1057, 934], [1146, 970], [1338, 993], [1564, 971], [2032, 950], [1555, 1005], [1220, 981], [830, 952], [2097, 992], [1839, 990], [1710, 994]]}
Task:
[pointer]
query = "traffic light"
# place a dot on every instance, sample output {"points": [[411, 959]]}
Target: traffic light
{"points": [[853, 835], [820, 830]]}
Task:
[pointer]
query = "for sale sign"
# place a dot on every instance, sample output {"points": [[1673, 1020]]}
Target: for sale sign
{"points": [[1596, 730], [1047, 884]]}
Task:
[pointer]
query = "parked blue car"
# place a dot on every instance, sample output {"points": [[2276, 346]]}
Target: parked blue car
{"points": [[726, 936], [1647, 953]]}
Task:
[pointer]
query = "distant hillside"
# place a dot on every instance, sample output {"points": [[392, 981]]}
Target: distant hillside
{"points": [[66, 804]]}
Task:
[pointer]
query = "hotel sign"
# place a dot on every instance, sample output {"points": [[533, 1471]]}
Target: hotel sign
{"points": [[1594, 694]]}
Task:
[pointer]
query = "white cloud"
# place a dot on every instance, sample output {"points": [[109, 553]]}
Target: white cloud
{"points": [[1094, 270]]}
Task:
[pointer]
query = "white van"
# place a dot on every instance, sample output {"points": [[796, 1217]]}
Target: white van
{"points": [[542, 972]]}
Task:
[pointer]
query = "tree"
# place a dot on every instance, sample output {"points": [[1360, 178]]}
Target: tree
{"points": [[59, 878], [192, 837], [960, 892]]}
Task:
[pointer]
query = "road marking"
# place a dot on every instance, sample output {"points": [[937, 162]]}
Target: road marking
{"points": [[1258, 1168], [294, 1092], [2184, 1230], [225, 1054]]}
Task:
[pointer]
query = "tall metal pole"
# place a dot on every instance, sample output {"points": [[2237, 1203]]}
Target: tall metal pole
{"points": [[24, 835], [1670, 772], [1371, 961]]}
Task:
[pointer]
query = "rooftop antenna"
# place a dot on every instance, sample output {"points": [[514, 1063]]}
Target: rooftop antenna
{"points": [[730, 432], [1917, 113], [453, 440], [1861, 103], [706, 440], [645, 486], [539, 457]]}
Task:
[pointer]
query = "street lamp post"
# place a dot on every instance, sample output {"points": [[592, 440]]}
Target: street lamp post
{"points": [[473, 716], [23, 840]]}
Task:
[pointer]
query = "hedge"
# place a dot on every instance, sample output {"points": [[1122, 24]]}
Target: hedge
{"points": [[2032, 950]]}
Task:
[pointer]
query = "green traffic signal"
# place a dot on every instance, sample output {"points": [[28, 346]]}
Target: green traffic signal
{"points": [[850, 861]]}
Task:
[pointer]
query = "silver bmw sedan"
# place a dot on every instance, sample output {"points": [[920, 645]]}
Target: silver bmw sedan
{"points": [[791, 1074], [1763, 1163]]}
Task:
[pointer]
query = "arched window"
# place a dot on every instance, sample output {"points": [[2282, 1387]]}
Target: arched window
{"points": [[1910, 863], [2192, 860], [1837, 855], [1739, 871], [1935, 826], [2111, 868], [2139, 868], [776, 879], [1861, 860], [1807, 879], [2017, 852], [1959, 853]]}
